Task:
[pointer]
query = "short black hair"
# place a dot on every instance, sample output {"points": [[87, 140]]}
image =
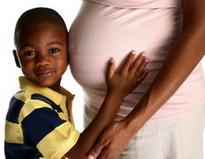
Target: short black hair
{"points": [[38, 15]]}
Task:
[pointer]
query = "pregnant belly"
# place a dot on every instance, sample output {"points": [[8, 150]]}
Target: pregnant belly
{"points": [[100, 32]]}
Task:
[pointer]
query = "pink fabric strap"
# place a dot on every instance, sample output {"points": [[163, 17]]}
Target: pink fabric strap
{"points": [[140, 3]]}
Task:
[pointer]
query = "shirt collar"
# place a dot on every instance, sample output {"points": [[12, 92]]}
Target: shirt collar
{"points": [[45, 91]]}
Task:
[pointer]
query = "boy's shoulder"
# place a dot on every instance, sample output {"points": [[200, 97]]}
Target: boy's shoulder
{"points": [[16, 105], [23, 97], [32, 97], [25, 102]]}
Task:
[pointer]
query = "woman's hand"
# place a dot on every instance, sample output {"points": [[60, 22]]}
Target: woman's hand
{"points": [[128, 76], [112, 142]]}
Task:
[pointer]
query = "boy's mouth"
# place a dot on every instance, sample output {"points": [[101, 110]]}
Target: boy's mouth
{"points": [[44, 73]]}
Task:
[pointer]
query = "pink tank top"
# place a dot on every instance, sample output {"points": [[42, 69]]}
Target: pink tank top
{"points": [[140, 3], [111, 28]]}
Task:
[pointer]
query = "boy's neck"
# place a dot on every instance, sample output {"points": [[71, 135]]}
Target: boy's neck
{"points": [[56, 87]]}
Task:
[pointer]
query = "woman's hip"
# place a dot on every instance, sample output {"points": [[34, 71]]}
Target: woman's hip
{"points": [[178, 138]]}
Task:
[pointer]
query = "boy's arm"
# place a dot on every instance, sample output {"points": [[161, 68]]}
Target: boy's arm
{"points": [[119, 84]]}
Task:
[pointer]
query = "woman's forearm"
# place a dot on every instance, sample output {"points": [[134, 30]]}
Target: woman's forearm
{"points": [[181, 61]]}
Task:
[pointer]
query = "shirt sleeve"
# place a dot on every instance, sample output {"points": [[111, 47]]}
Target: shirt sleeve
{"points": [[50, 134]]}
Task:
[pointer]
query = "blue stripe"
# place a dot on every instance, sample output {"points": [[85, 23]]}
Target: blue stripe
{"points": [[15, 106], [47, 100], [20, 151], [39, 123]]}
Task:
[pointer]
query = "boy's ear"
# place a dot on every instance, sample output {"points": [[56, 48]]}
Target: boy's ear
{"points": [[16, 59]]}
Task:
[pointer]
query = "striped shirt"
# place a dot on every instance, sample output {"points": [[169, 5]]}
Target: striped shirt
{"points": [[39, 123]]}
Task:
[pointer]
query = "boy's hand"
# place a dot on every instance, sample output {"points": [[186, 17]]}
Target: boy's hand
{"points": [[129, 76]]}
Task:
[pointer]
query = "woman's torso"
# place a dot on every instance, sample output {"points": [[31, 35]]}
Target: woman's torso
{"points": [[101, 31]]}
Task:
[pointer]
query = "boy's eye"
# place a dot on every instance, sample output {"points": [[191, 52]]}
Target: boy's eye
{"points": [[54, 50], [29, 53]]}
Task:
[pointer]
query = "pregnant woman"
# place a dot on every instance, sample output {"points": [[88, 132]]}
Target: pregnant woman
{"points": [[163, 118]]}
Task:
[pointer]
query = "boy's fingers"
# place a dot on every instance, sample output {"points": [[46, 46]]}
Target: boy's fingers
{"points": [[111, 68], [139, 60], [128, 61], [143, 65], [139, 64], [143, 75]]}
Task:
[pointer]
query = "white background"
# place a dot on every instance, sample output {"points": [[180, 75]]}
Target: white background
{"points": [[9, 13]]}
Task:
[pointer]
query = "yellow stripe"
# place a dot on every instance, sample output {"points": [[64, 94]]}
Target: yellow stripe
{"points": [[57, 143], [30, 107], [13, 133]]}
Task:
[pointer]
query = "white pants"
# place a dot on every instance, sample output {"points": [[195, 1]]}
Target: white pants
{"points": [[179, 138]]}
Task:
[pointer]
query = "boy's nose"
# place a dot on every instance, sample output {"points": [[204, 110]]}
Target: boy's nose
{"points": [[42, 60]]}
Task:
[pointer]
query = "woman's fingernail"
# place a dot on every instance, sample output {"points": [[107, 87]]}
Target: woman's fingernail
{"points": [[90, 157]]}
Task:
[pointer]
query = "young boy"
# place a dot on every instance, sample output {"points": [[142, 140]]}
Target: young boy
{"points": [[39, 121]]}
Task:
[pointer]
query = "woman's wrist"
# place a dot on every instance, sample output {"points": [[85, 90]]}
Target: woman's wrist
{"points": [[129, 126], [134, 122]]}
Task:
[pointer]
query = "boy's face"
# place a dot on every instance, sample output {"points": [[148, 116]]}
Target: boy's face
{"points": [[42, 53]]}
